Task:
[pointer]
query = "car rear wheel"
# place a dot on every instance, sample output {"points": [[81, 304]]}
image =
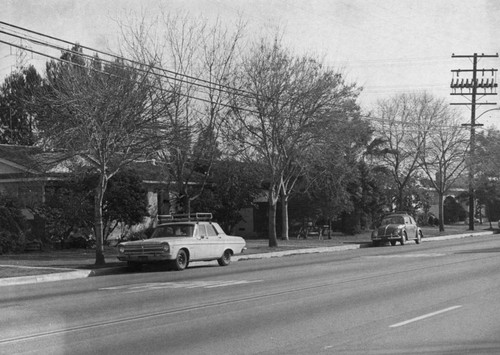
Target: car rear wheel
{"points": [[376, 243], [403, 238], [181, 261], [225, 259], [393, 242]]}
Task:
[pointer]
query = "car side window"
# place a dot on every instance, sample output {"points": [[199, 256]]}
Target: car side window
{"points": [[211, 232], [202, 232]]}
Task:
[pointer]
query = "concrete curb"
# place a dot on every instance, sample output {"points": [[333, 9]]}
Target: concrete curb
{"points": [[456, 236], [278, 254], [59, 276], [77, 274]]}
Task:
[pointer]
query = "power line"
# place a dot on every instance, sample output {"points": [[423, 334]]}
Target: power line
{"points": [[152, 86], [123, 58], [109, 62], [410, 123], [222, 87], [372, 118]]}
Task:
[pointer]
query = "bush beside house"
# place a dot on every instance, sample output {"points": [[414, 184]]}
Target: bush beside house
{"points": [[12, 228]]}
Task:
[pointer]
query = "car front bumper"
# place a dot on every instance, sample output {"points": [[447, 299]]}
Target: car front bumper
{"points": [[145, 258], [386, 237]]}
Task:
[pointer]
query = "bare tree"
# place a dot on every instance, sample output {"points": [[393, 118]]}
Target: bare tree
{"points": [[403, 123], [195, 61], [444, 153], [106, 114], [292, 100]]}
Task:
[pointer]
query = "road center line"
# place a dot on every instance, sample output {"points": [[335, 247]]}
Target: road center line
{"points": [[423, 317]]}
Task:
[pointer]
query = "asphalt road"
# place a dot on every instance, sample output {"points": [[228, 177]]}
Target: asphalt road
{"points": [[432, 298]]}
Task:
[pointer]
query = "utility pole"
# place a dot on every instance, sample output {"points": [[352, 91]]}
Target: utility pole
{"points": [[470, 88]]}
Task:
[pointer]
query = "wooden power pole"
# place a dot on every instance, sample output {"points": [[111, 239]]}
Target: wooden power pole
{"points": [[470, 85]]}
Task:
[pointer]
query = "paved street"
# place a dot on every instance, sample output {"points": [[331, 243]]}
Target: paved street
{"points": [[437, 297]]}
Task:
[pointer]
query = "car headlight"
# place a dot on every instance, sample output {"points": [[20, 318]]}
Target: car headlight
{"points": [[121, 249], [166, 247], [374, 233]]}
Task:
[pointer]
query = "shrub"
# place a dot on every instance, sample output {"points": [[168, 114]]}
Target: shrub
{"points": [[9, 242], [12, 228]]}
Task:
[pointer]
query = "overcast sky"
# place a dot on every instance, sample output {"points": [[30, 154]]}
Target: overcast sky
{"points": [[386, 46]]}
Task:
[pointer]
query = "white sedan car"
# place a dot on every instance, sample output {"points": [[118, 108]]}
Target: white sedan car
{"points": [[180, 240]]}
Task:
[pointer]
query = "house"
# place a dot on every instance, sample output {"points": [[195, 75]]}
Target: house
{"points": [[28, 174]]}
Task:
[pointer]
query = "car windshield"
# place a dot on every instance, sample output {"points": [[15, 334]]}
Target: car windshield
{"points": [[174, 230], [393, 220]]}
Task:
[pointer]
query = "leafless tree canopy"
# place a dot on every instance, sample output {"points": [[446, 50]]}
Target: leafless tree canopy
{"points": [[106, 114], [199, 60]]}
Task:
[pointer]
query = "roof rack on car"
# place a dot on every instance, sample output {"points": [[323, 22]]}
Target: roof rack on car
{"points": [[397, 212], [199, 216]]}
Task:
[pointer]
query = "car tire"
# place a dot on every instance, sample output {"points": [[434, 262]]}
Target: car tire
{"points": [[393, 242], [403, 238], [419, 237], [181, 261], [376, 243], [225, 259]]}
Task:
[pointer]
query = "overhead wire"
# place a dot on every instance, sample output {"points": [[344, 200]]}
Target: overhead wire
{"points": [[221, 87], [112, 63], [123, 58], [94, 69]]}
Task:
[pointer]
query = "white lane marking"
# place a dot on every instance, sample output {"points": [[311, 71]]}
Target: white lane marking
{"points": [[424, 317], [165, 285], [429, 255]]}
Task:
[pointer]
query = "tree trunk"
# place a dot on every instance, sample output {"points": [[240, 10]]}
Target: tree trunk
{"points": [[273, 240], [441, 212], [98, 225], [188, 206], [399, 203], [284, 217]]}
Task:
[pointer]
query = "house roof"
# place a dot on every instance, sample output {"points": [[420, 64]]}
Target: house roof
{"points": [[32, 160], [27, 163]]}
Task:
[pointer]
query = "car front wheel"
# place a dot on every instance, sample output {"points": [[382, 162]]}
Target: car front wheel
{"points": [[225, 259], [181, 261], [403, 238]]}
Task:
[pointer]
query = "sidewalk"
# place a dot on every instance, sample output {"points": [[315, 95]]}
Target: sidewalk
{"points": [[57, 265]]}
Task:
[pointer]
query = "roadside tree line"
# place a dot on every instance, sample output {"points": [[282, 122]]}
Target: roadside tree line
{"points": [[200, 99]]}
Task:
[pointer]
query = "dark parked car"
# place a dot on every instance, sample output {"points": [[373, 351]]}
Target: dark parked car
{"points": [[397, 227]]}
